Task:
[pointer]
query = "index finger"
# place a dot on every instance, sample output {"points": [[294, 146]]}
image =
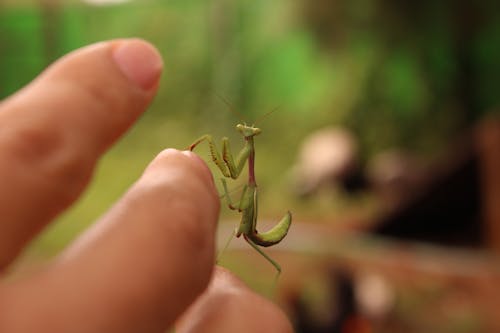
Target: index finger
{"points": [[54, 130]]}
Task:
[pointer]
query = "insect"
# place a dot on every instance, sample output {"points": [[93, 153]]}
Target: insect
{"points": [[247, 206]]}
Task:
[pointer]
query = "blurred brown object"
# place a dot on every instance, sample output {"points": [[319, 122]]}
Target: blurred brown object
{"points": [[439, 251], [488, 143], [327, 157], [458, 202], [394, 173]]}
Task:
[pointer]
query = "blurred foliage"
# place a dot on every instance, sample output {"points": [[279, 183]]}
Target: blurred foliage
{"points": [[398, 74]]}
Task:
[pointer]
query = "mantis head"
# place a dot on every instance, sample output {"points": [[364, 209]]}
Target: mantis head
{"points": [[248, 131]]}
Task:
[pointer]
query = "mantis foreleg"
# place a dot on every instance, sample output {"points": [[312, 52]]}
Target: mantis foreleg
{"points": [[219, 162], [229, 167], [235, 168]]}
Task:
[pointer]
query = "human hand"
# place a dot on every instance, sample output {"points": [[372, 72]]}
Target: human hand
{"points": [[140, 266]]}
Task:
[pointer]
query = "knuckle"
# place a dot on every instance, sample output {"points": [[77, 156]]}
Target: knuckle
{"points": [[49, 157]]}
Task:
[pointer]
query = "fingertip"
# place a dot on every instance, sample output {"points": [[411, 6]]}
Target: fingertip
{"points": [[201, 164], [139, 61], [187, 160], [230, 306], [186, 181], [224, 279]]}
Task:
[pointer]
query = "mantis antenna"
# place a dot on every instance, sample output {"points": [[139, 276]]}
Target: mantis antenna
{"points": [[231, 107], [265, 115]]}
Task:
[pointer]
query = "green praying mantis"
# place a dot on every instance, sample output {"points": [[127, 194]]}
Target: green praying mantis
{"points": [[247, 206]]}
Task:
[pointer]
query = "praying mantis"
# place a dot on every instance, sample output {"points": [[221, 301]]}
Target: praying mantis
{"points": [[247, 206]]}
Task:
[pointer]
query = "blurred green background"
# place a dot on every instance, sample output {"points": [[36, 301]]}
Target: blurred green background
{"points": [[397, 74]]}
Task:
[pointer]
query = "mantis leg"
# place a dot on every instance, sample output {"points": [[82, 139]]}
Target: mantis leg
{"points": [[262, 253], [229, 239], [229, 167], [235, 166], [213, 152], [233, 206]]}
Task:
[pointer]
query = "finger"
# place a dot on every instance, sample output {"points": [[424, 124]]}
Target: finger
{"points": [[137, 269], [54, 130], [230, 306]]}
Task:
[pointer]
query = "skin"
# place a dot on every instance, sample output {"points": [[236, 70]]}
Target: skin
{"points": [[150, 257]]}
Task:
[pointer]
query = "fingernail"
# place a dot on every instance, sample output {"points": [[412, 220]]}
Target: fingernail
{"points": [[139, 61]]}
